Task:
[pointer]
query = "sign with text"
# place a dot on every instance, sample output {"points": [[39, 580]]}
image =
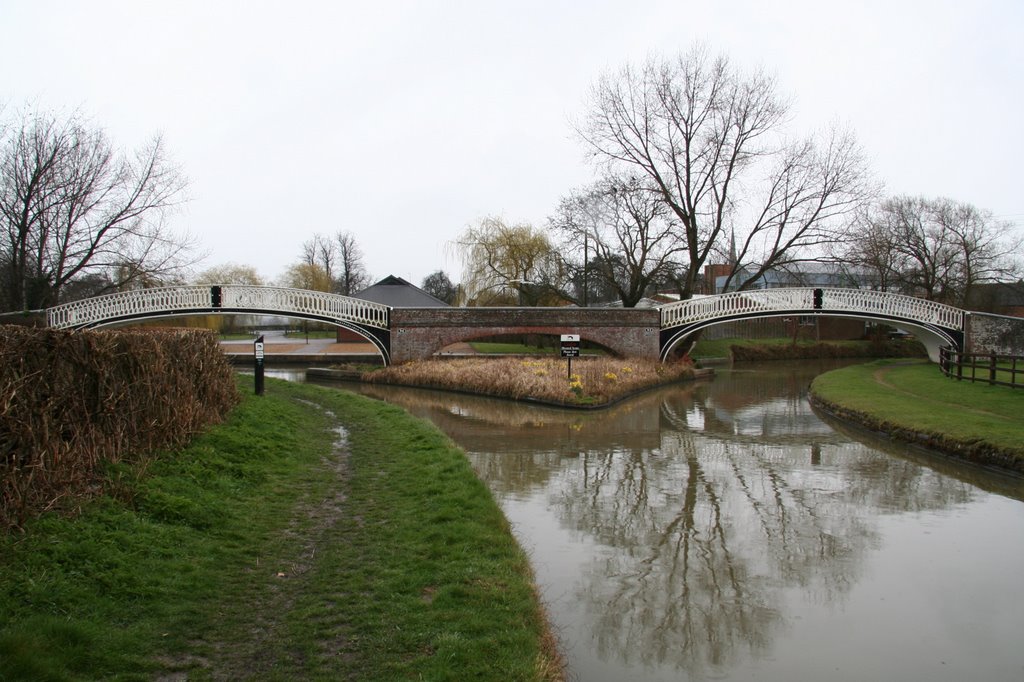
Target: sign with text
{"points": [[570, 345], [257, 348]]}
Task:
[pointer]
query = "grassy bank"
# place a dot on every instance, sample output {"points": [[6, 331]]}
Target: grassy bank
{"points": [[280, 545], [593, 381], [914, 402]]}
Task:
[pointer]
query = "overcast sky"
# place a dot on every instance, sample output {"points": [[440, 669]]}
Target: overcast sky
{"points": [[405, 122]]}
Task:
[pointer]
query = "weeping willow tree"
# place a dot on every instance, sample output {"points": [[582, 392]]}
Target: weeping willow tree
{"points": [[507, 264]]}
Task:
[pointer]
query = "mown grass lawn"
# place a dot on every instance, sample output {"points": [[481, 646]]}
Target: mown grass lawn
{"points": [[915, 395], [315, 535]]}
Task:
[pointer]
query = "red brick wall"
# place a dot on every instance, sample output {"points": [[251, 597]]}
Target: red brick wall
{"points": [[418, 333]]}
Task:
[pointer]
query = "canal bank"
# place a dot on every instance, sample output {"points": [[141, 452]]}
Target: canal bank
{"points": [[315, 535], [914, 403], [724, 530]]}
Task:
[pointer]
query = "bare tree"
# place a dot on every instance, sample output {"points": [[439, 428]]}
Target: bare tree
{"points": [[352, 275], [340, 259], [320, 251], [440, 286], [709, 142], [72, 207], [939, 249], [629, 231]]}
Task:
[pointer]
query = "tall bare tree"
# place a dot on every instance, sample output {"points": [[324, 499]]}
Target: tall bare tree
{"points": [[709, 141], [320, 251], [340, 259], [938, 249], [72, 207], [628, 230], [352, 275]]}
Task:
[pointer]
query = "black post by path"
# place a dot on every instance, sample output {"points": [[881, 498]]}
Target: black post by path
{"points": [[258, 353]]}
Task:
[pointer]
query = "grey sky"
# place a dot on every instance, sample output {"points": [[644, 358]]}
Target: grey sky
{"points": [[403, 122]]}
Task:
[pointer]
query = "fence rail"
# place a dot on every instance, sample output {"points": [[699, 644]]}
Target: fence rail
{"points": [[990, 368]]}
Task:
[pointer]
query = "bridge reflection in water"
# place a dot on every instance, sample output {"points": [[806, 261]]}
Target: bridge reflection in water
{"points": [[722, 530]]}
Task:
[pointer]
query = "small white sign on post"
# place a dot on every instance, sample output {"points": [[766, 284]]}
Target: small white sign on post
{"points": [[570, 345], [570, 350], [259, 350]]}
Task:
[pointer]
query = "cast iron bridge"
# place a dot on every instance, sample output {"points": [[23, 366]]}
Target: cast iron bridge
{"points": [[935, 324], [416, 332], [366, 318]]}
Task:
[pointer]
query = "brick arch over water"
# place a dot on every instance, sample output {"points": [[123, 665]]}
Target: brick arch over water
{"points": [[418, 333]]}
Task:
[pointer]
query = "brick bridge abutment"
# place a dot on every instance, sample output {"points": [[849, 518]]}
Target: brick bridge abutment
{"points": [[418, 333]]}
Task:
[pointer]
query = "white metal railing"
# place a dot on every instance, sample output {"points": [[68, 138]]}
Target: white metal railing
{"points": [[307, 302], [234, 298], [875, 303]]}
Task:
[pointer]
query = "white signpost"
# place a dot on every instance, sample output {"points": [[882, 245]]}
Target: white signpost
{"points": [[570, 350]]}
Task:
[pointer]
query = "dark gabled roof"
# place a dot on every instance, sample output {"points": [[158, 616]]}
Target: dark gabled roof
{"points": [[397, 293]]}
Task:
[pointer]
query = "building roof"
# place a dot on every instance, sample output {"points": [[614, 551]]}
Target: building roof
{"points": [[997, 295], [397, 293]]}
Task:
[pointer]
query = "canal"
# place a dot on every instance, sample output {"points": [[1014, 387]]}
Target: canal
{"points": [[724, 530]]}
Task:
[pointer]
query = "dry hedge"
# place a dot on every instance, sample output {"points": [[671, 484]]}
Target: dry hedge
{"points": [[70, 400]]}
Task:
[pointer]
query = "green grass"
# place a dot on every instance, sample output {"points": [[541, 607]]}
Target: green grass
{"points": [[262, 551], [918, 397], [1005, 372]]}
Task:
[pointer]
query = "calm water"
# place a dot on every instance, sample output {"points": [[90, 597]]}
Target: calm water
{"points": [[722, 530]]}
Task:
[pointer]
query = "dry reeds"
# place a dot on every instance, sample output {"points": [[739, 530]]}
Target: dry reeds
{"points": [[69, 400], [594, 381]]}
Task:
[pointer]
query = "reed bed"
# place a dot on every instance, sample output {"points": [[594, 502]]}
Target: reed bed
{"points": [[592, 381], [72, 400]]}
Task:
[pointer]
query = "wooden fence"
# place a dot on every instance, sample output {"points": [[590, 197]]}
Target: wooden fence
{"points": [[990, 368]]}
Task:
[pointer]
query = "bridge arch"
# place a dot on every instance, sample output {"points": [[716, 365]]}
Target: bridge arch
{"points": [[366, 318], [418, 333], [936, 324], [548, 334]]}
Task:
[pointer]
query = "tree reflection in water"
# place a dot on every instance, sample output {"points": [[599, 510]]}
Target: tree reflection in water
{"points": [[707, 503]]}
